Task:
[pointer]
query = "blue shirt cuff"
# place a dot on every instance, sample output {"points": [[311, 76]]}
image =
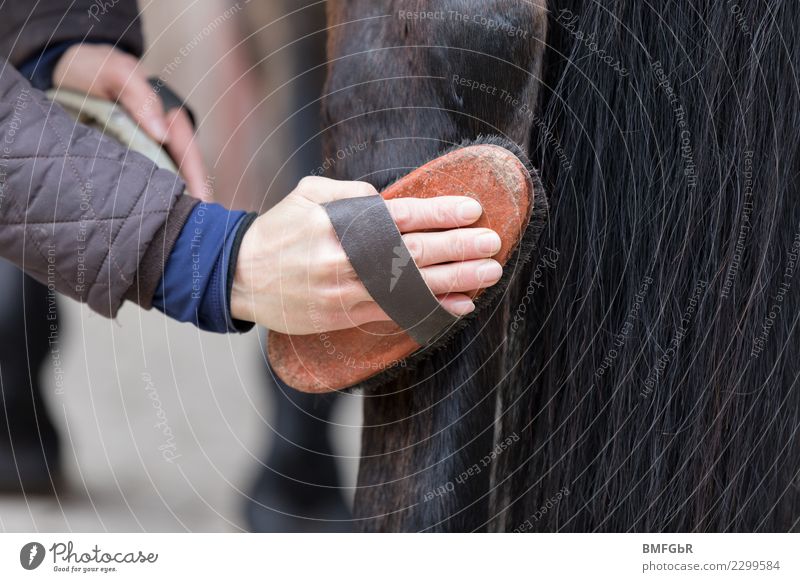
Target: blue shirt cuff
{"points": [[39, 70], [194, 287]]}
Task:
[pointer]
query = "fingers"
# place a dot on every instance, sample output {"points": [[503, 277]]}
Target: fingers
{"points": [[429, 248], [132, 90], [447, 281], [456, 303], [173, 129], [107, 72], [462, 277], [183, 149], [412, 214]]}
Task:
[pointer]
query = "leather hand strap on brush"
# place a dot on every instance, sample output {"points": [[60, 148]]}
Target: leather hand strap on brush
{"points": [[504, 185], [375, 249]]}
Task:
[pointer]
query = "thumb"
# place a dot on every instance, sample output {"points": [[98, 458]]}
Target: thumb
{"points": [[321, 190]]}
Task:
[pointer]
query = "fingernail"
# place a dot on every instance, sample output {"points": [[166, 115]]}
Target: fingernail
{"points": [[463, 306], [488, 243], [490, 272], [469, 210]]}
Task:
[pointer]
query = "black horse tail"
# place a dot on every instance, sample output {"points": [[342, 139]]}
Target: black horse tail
{"points": [[655, 380]]}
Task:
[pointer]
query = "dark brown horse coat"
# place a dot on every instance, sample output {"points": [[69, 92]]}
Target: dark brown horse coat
{"points": [[411, 79]]}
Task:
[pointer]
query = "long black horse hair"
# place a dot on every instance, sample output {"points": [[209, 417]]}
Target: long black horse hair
{"points": [[641, 372]]}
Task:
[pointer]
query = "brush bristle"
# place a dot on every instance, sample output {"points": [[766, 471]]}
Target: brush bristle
{"points": [[492, 296]]}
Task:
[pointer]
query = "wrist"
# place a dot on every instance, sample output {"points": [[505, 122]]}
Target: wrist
{"points": [[40, 70], [238, 246], [194, 286], [244, 265]]}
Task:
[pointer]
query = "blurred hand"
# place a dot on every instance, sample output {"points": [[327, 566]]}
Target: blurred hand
{"points": [[294, 277], [104, 71]]}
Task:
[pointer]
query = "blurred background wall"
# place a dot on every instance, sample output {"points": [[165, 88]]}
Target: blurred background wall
{"points": [[250, 70]]}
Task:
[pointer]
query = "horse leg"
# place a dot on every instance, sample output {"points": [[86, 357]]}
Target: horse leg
{"points": [[404, 84]]}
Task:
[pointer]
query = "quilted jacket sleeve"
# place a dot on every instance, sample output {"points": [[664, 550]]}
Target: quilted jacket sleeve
{"points": [[78, 211]]}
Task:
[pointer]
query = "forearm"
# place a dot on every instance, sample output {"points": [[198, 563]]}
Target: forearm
{"points": [[78, 211], [196, 278]]}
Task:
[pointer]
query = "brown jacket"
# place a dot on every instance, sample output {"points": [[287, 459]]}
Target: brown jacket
{"points": [[78, 211]]}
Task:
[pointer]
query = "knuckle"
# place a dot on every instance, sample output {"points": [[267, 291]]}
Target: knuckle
{"points": [[350, 293], [462, 276], [313, 188], [338, 319], [319, 221], [328, 300], [431, 280], [334, 261], [308, 183], [456, 248], [438, 214], [400, 212], [364, 189], [116, 77], [342, 295], [443, 212], [124, 66], [327, 266], [416, 247], [346, 270]]}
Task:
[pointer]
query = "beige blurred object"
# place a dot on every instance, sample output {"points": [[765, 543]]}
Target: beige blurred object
{"points": [[114, 122], [202, 51]]}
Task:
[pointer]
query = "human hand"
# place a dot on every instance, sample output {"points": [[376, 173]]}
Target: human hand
{"points": [[109, 73], [293, 276]]}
